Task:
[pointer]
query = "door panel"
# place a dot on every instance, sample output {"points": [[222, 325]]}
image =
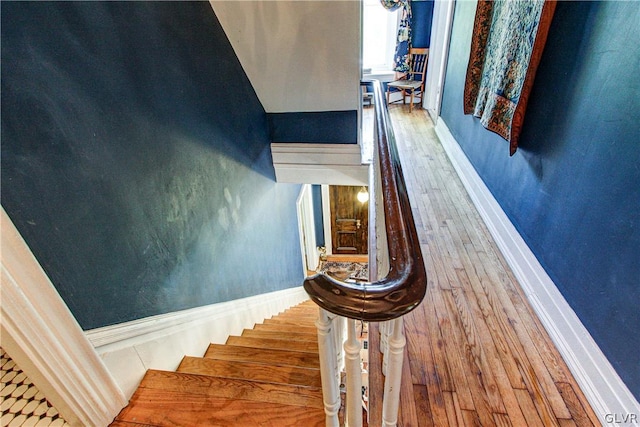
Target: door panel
{"points": [[349, 221]]}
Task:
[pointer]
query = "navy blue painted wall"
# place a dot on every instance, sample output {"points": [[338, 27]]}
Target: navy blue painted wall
{"points": [[136, 161], [421, 17], [320, 127], [317, 214], [573, 187]]}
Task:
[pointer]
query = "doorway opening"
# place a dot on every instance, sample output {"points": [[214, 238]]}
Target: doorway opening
{"points": [[349, 219], [334, 230]]}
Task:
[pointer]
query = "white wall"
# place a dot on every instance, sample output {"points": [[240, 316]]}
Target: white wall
{"points": [[299, 55]]}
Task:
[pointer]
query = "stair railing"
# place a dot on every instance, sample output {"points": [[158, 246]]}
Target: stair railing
{"points": [[399, 285]]}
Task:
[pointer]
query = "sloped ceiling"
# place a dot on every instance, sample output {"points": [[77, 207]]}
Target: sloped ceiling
{"points": [[299, 55]]}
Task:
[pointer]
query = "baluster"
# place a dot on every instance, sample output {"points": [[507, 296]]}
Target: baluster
{"points": [[328, 368], [339, 332], [353, 364], [386, 329], [395, 354]]}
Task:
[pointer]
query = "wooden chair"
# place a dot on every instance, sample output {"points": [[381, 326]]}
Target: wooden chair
{"points": [[413, 81]]}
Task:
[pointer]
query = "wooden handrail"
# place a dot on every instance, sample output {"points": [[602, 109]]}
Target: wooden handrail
{"points": [[405, 285]]}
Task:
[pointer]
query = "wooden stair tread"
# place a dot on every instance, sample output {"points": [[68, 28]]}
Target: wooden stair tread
{"points": [[306, 312], [296, 322], [308, 304], [294, 319], [120, 423], [232, 388], [304, 308], [311, 330], [274, 344], [149, 407], [258, 355], [252, 371], [301, 336]]}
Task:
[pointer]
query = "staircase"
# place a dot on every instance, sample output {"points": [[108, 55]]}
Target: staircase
{"points": [[268, 376]]}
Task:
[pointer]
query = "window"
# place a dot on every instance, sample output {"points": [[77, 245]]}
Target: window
{"points": [[379, 31]]}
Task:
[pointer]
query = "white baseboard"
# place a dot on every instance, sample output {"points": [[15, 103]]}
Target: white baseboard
{"points": [[160, 342], [609, 396]]}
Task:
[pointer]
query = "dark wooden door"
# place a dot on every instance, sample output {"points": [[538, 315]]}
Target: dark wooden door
{"points": [[349, 221]]}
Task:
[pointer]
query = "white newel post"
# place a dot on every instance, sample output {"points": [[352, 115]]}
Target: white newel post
{"points": [[328, 367], [395, 351], [354, 376]]}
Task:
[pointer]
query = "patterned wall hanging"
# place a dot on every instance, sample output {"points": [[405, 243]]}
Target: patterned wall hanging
{"points": [[403, 40], [506, 47]]}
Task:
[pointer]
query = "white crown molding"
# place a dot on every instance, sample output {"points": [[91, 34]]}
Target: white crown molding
{"points": [[322, 174], [332, 164], [316, 154], [605, 390], [44, 339]]}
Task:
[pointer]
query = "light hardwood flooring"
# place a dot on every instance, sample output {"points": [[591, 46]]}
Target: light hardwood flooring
{"points": [[476, 352]]}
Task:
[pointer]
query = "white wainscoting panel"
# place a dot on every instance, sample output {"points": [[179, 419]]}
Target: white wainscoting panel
{"points": [[160, 342], [607, 393]]}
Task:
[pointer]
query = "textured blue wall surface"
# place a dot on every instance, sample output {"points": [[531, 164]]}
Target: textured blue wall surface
{"points": [[317, 214], [421, 17], [573, 187], [320, 127], [136, 161]]}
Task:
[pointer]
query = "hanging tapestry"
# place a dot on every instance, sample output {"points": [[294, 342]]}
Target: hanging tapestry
{"points": [[508, 39], [403, 42], [401, 57]]}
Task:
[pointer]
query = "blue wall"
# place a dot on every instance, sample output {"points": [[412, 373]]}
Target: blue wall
{"points": [[573, 187], [421, 17], [316, 193], [136, 161], [319, 127]]}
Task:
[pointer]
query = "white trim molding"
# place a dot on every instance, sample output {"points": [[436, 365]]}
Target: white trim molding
{"points": [[334, 164], [326, 219], [438, 55], [605, 390], [160, 342], [44, 339], [306, 229]]}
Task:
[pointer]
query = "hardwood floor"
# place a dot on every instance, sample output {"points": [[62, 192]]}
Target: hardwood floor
{"points": [[476, 352]]}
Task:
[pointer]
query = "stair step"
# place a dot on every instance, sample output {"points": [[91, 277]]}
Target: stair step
{"points": [[150, 408], [251, 371], [312, 311], [302, 336], [311, 330], [276, 344], [308, 304], [276, 357], [296, 314], [118, 423], [295, 319], [283, 321], [231, 388], [303, 311]]}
